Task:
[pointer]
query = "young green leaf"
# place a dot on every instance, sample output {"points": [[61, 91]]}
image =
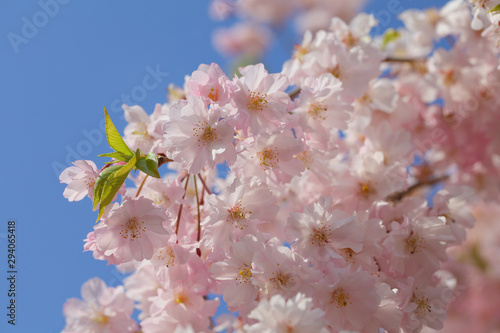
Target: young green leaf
{"points": [[390, 35], [100, 181], [149, 165], [495, 9], [113, 184], [117, 155], [152, 161], [114, 138]]}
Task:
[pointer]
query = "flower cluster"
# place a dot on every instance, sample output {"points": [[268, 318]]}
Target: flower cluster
{"points": [[326, 219], [260, 21]]}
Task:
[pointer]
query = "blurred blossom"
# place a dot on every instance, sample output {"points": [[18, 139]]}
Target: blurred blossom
{"points": [[242, 39]]}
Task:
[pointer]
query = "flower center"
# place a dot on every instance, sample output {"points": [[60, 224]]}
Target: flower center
{"points": [[101, 319], [336, 72], [238, 215], [365, 190], [340, 297], [181, 298], [349, 40], [214, 95], [305, 157], [204, 132], [414, 243], [280, 280], [448, 77], [269, 157], [348, 254], [133, 229], [167, 255], [480, 3], [317, 111], [245, 274], [423, 307], [89, 183], [300, 52], [257, 101], [321, 236]]}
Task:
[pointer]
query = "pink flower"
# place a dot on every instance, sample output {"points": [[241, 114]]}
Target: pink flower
{"points": [[235, 275], [211, 85], [278, 270], [80, 179], [181, 302], [418, 245], [247, 39], [261, 101], [246, 205], [295, 315], [137, 132], [133, 231], [103, 309], [272, 12], [349, 299], [195, 136], [320, 107], [141, 285], [270, 157], [320, 233]]}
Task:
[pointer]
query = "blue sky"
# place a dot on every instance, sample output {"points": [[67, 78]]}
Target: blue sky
{"points": [[54, 81]]}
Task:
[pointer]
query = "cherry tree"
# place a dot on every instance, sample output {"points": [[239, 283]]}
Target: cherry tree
{"points": [[354, 180]]}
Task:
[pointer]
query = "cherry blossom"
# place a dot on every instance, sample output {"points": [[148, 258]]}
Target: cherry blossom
{"points": [[103, 309], [80, 179], [356, 190], [132, 231]]}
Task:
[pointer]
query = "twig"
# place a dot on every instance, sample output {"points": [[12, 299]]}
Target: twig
{"points": [[198, 251], [294, 93], [204, 184], [180, 208], [140, 187], [398, 196]]}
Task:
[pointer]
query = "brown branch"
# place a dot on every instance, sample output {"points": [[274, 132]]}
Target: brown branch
{"points": [[204, 184], [398, 196], [180, 209], [198, 236], [162, 159], [389, 59], [294, 93]]}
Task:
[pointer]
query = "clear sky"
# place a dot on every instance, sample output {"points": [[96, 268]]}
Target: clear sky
{"points": [[59, 65]]}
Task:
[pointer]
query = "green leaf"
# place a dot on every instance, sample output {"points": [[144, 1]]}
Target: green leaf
{"points": [[100, 181], [390, 35], [117, 155], [149, 165], [114, 138], [495, 9], [113, 184]]}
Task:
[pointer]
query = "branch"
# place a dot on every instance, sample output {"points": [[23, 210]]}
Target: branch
{"points": [[140, 187], [180, 209], [204, 184], [398, 196], [162, 159], [294, 93], [198, 251]]}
